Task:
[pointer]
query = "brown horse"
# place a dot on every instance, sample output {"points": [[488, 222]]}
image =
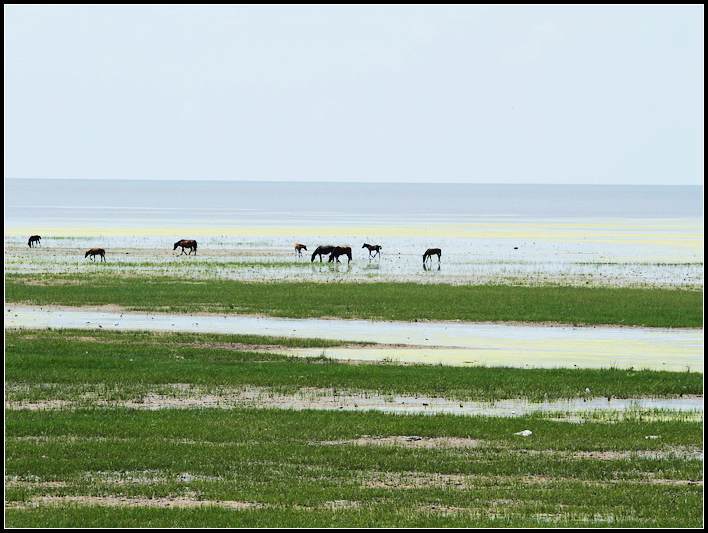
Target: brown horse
{"points": [[186, 243], [373, 248], [93, 252], [34, 239], [321, 250], [340, 250], [299, 248], [429, 253]]}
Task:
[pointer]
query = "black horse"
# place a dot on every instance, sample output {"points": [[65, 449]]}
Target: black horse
{"points": [[374, 249], [321, 250], [186, 243], [93, 252], [34, 239], [429, 253], [340, 250]]}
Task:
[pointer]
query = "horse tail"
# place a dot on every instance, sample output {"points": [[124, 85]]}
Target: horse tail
{"points": [[29, 242]]}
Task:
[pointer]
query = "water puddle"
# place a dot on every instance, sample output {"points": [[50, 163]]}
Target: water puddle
{"points": [[448, 343]]}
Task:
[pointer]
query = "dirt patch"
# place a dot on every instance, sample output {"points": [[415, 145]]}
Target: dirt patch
{"points": [[678, 452], [338, 505], [144, 477], [121, 501], [416, 480], [51, 282], [236, 346], [18, 482], [662, 481], [43, 405], [612, 455], [408, 441], [442, 509]]}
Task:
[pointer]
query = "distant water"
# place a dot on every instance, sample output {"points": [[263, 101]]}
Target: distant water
{"points": [[132, 202]]}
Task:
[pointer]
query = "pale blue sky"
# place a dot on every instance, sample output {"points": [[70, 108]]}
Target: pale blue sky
{"points": [[479, 94]]}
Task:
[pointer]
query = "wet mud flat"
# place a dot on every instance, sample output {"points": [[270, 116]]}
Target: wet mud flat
{"points": [[184, 396]]}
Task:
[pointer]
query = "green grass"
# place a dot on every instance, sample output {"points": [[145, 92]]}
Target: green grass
{"points": [[79, 361], [380, 301], [293, 464], [281, 460]]}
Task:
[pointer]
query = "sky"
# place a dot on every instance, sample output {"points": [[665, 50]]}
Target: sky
{"points": [[516, 94]]}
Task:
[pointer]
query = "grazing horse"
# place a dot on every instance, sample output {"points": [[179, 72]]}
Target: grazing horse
{"points": [[373, 248], [429, 253], [340, 250], [321, 250], [93, 252], [185, 243], [299, 248], [34, 239]]}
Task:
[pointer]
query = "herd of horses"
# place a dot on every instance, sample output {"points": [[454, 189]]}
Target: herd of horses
{"points": [[334, 252]]}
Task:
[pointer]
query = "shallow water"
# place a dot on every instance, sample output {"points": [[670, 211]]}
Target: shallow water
{"points": [[595, 253], [189, 397], [449, 343]]}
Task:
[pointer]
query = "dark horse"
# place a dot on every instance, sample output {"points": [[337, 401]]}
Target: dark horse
{"points": [[93, 252], [429, 253], [185, 243], [321, 250], [373, 248], [34, 239], [299, 248], [340, 250]]}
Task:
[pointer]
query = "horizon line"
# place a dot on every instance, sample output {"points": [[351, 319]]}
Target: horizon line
{"points": [[418, 181]]}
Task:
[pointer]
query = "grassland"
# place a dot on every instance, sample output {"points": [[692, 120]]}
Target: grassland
{"points": [[102, 464], [279, 468], [380, 301], [124, 364]]}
